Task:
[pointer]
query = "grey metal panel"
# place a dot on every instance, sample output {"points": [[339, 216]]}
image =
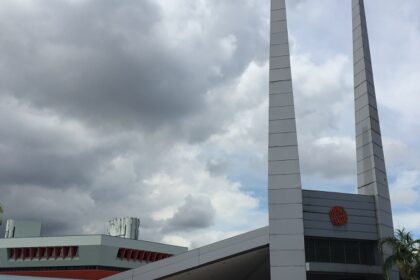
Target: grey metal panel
{"points": [[277, 5], [280, 87], [281, 113], [368, 135], [286, 211], [287, 242], [367, 111], [364, 88], [280, 62], [369, 176], [278, 28], [206, 257], [22, 229], [286, 152], [278, 15], [338, 196], [370, 149], [283, 182], [361, 64], [322, 218], [351, 226], [126, 275], [280, 126], [350, 211], [280, 74], [284, 196], [286, 258], [184, 261], [286, 99], [288, 272], [335, 202], [291, 227], [339, 234], [279, 50], [361, 212], [168, 268], [285, 167], [343, 268], [368, 124], [262, 232]]}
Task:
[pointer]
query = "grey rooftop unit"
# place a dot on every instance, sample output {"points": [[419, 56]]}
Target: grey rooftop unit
{"points": [[124, 227], [21, 228]]}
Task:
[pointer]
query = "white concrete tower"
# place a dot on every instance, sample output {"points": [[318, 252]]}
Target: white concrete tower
{"points": [[287, 249], [371, 171]]}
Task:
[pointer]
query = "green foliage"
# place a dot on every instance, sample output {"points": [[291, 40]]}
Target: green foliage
{"points": [[405, 255]]}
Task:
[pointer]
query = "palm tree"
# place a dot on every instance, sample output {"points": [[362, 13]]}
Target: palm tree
{"points": [[405, 255]]}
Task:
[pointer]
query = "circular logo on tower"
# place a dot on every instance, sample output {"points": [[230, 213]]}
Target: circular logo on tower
{"points": [[338, 216]]}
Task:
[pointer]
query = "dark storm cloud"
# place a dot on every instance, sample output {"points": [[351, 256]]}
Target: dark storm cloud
{"points": [[37, 150], [94, 94], [195, 213], [75, 60], [112, 108], [113, 64]]}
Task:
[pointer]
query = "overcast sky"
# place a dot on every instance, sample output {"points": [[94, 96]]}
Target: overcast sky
{"points": [[159, 109]]}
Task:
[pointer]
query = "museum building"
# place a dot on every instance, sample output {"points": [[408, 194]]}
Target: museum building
{"points": [[25, 252], [311, 234]]}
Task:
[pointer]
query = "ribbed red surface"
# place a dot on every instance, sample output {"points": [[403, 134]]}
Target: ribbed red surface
{"points": [[43, 252], [71, 274], [140, 255]]}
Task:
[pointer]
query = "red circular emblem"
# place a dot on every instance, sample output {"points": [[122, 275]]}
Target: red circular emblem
{"points": [[338, 216]]}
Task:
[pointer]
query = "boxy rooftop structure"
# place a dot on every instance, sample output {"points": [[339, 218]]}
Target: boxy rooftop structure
{"points": [[80, 257]]}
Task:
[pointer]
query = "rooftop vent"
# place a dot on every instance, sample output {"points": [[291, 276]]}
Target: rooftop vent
{"points": [[124, 227], [22, 229]]}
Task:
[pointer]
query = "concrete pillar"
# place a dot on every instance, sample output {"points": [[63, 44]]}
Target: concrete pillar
{"points": [[371, 171], [287, 250]]}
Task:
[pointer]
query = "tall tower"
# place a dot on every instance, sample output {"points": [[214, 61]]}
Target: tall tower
{"points": [[287, 250], [371, 171]]}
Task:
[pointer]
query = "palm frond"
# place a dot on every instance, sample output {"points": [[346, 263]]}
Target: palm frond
{"points": [[405, 254], [389, 262]]}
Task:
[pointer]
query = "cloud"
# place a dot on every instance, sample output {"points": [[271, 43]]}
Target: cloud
{"points": [[195, 213], [409, 220], [107, 108], [329, 157], [38, 149], [154, 108], [90, 62], [324, 113], [405, 190]]}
